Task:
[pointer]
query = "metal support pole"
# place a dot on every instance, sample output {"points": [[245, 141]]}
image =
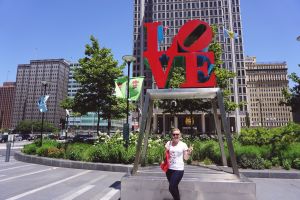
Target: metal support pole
{"points": [[227, 134], [218, 128], [147, 132], [141, 135]]}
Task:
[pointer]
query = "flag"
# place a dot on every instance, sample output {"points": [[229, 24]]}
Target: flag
{"points": [[135, 87], [166, 28], [67, 112], [230, 34], [42, 103], [205, 49], [160, 34], [120, 87]]}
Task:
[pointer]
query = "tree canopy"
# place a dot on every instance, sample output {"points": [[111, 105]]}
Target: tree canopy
{"points": [[28, 126], [292, 95], [96, 75]]}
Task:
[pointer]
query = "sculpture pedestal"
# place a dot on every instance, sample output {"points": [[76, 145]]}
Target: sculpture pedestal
{"points": [[197, 184]]}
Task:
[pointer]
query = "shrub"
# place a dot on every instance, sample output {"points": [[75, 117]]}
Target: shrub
{"points": [[30, 149], [286, 164], [291, 152], [267, 164], [296, 163], [155, 154], [207, 149], [76, 151], [128, 156], [93, 154], [249, 157], [207, 161], [275, 161], [54, 152], [42, 151]]}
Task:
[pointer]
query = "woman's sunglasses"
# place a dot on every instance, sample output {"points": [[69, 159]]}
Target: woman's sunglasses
{"points": [[175, 134]]}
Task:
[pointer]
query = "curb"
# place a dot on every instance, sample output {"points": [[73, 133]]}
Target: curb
{"points": [[280, 174], [270, 174], [72, 164]]}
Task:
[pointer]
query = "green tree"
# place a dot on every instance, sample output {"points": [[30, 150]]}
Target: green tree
{"points": [[96, 76], [223, 75], [28, 126], [67, 103], [292, 95], [116, 110]]}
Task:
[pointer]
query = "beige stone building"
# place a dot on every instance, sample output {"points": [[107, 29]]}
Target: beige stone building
{"points": [[265, 82], [29, 88]]}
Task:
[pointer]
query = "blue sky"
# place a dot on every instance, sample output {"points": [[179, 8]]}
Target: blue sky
{"points": [[41, 29]]}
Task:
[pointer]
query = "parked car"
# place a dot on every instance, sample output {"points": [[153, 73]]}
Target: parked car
{"points": [[27, 137], [3, 138], [18, 138], [83, 138]]}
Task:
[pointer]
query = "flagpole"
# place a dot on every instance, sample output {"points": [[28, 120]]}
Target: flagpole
{"points": [[237, 110]]}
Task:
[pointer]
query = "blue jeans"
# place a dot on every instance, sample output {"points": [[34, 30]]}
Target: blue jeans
{"points": [[174, 177]]}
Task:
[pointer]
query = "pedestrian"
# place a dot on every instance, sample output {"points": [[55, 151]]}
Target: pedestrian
{"points": [[178, 151]]}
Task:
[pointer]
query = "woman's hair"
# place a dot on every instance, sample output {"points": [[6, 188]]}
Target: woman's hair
{"points": [[175, 129]]}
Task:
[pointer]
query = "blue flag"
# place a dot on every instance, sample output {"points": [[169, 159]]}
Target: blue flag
{"points": [[230, 34], [160, 34], [42, 103]]}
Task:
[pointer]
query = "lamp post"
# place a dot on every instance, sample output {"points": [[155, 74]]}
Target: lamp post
{"points": [[44, 83], [128, 59], [67, 123], [298, 38]]}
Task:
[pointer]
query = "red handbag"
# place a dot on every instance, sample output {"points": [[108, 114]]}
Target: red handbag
{"points": [[165, 164]]}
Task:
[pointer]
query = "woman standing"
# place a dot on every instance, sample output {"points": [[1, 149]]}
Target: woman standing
{"points": [[178, 151]]}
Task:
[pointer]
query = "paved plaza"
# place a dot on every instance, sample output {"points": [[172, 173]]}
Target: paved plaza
{"points": [[26, 181]]}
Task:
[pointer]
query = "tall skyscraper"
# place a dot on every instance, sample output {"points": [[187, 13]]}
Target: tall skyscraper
{"points": [[265, 83], [173, 14], [29, 88], [7, 95]]}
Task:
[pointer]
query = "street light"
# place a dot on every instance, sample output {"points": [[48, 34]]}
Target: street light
{"points": [[128, 59], [44, 83], [67, 123], [298, 38]]}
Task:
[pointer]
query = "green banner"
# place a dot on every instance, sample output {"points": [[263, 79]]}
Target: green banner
{"points": [[135, 87], [120, 88]]}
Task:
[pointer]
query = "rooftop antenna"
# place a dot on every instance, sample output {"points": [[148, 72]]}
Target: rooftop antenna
{"points": [[35, 51], [7, 75]]}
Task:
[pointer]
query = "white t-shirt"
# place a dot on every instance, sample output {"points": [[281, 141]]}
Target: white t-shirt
{"points": [[176, 155]]}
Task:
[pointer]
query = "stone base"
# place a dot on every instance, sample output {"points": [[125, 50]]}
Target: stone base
{"points": [[205, 185]]}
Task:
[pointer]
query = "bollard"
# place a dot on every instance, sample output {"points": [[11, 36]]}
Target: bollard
{"points": [[8, 146]]}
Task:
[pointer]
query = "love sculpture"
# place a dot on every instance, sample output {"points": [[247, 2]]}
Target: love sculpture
{"points": [[191, 43]]}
